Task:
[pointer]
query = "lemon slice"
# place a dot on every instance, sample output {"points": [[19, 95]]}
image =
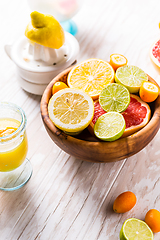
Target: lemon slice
{"points": [[135, 229], [110, 126], [91, 76], [114, 97], [71, 110], [131, 77]]}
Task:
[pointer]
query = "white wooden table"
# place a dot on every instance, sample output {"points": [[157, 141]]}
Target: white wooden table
{"points": [[66, 198]]}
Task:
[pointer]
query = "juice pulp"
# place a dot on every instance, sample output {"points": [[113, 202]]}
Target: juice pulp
{"points": [[14, 151]]}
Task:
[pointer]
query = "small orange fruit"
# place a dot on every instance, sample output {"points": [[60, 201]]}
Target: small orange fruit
{"points": [[148, 91], [124, 202], [58, 86], [117, 60], [152, 218]]}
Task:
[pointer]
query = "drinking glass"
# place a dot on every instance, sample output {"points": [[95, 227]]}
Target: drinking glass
{"points": [[15, 168]]}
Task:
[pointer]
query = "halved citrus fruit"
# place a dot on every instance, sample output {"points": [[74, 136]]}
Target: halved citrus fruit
{"points": [[155, 53], [136, 116], [71, 110], [114, 97], [148, 91], [131, 77], [91, 76], [134, 228], [109, 126], [117, 60]]}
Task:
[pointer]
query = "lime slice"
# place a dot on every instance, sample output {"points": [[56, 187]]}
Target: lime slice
{"points": [[110, 126], [114, 97], [135, 229], [71, 110], [131, 77]]}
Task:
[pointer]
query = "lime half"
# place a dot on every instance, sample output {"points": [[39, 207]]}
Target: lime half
{"points": [[131, 77], [135, 229], [110, 126], [114, 97]]}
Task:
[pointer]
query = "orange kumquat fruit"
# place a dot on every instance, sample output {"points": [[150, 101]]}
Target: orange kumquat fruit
{"points": [[148, 91], [117, 60], [152, 218], [58, 86], [124, 202]]}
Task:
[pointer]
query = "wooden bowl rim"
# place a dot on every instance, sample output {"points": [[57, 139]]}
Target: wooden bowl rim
{"points": [[44, 112]]}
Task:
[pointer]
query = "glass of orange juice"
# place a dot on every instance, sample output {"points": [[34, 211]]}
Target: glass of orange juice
{"points": [[15, 168]]}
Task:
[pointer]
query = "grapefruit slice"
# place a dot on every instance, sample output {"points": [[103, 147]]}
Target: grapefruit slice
{"points": [[155, 53], [136, 116]]}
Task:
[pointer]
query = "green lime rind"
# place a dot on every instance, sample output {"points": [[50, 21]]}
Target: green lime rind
{"points": [[131, 77], [134, 228], [114, 98], [110, 126]]}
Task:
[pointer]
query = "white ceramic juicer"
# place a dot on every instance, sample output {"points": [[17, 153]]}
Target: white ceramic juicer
{"points": [[37, 65]]}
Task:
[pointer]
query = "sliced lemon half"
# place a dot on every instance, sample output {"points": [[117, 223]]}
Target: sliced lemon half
{"points": [[71, 110]]}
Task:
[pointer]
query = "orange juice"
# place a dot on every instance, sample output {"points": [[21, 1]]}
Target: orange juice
{"points": [[13, 144]]}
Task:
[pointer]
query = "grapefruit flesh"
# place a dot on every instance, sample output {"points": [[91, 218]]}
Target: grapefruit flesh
{"points": [[136, 116], [155, 53], [98, 111]]}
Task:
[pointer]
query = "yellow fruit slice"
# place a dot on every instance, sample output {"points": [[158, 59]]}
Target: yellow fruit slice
{"points": [[117, 60], [71, 110], [45, 30], [91, 76]]}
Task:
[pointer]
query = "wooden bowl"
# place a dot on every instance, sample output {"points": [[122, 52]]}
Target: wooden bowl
{"points": [[86, 147]]}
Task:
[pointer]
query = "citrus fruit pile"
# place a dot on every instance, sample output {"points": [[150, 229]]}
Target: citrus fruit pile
{"points": [[107, 97]]}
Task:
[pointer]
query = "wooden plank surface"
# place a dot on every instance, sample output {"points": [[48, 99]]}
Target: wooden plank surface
{"points": [[67, 198]]}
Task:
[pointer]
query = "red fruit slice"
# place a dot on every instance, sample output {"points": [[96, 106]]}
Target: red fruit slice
{"points": [[155, 53], [136, 116]]}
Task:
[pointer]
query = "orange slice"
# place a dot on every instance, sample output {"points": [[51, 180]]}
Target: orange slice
{"points": [[91, 76], [117, 60]]}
